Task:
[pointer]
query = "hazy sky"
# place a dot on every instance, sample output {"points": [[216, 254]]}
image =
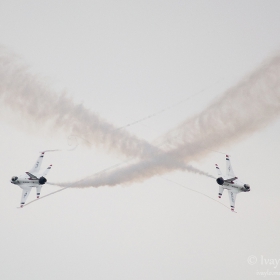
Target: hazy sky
{"points": [[117, 62]]}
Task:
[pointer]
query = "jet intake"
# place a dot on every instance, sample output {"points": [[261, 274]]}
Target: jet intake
{"points": [[42, 180], [220, 181]]}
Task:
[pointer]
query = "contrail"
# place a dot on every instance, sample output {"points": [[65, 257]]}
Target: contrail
{"points": [[25, 94], [182, 101], [190, 189], [239, 112]]}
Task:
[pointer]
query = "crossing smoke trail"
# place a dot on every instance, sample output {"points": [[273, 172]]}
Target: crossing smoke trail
{"points": [[242, 110], [239, 112], [25, 94]]}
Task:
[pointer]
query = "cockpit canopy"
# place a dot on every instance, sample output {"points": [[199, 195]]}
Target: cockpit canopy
{"points": [[14, 178], [247, 187]]}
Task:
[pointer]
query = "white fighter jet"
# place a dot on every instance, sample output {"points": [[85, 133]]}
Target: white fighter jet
{"points": [[31, 179], [231, 183]]}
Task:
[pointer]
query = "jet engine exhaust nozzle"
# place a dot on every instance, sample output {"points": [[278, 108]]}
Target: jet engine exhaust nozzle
{"points": [[42, 180], [220, 181]]}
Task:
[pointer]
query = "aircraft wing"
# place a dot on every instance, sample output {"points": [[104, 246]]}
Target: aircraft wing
{"points": [[232, 197], [229, 170], [25, 193], [35, 169]]}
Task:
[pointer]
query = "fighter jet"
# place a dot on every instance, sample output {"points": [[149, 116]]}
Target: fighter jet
{"points": [[31, 179], [231, 183]]}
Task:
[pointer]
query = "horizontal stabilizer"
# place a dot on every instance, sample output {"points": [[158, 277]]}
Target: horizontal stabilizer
{"points": [[38, 190], [221, 190], [218, 171], [47, 170]]}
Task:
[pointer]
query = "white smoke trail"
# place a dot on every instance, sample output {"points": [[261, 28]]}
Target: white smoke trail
{"points": [[238, 113], [242, 110], [26, 95], [136, 172]]}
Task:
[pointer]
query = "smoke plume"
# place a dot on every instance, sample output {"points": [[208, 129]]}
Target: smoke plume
{"points": [[239, 112], [242, 110], [25, 94]]}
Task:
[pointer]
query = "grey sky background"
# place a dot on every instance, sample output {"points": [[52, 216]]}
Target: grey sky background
{"points": [[126, 60]]}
